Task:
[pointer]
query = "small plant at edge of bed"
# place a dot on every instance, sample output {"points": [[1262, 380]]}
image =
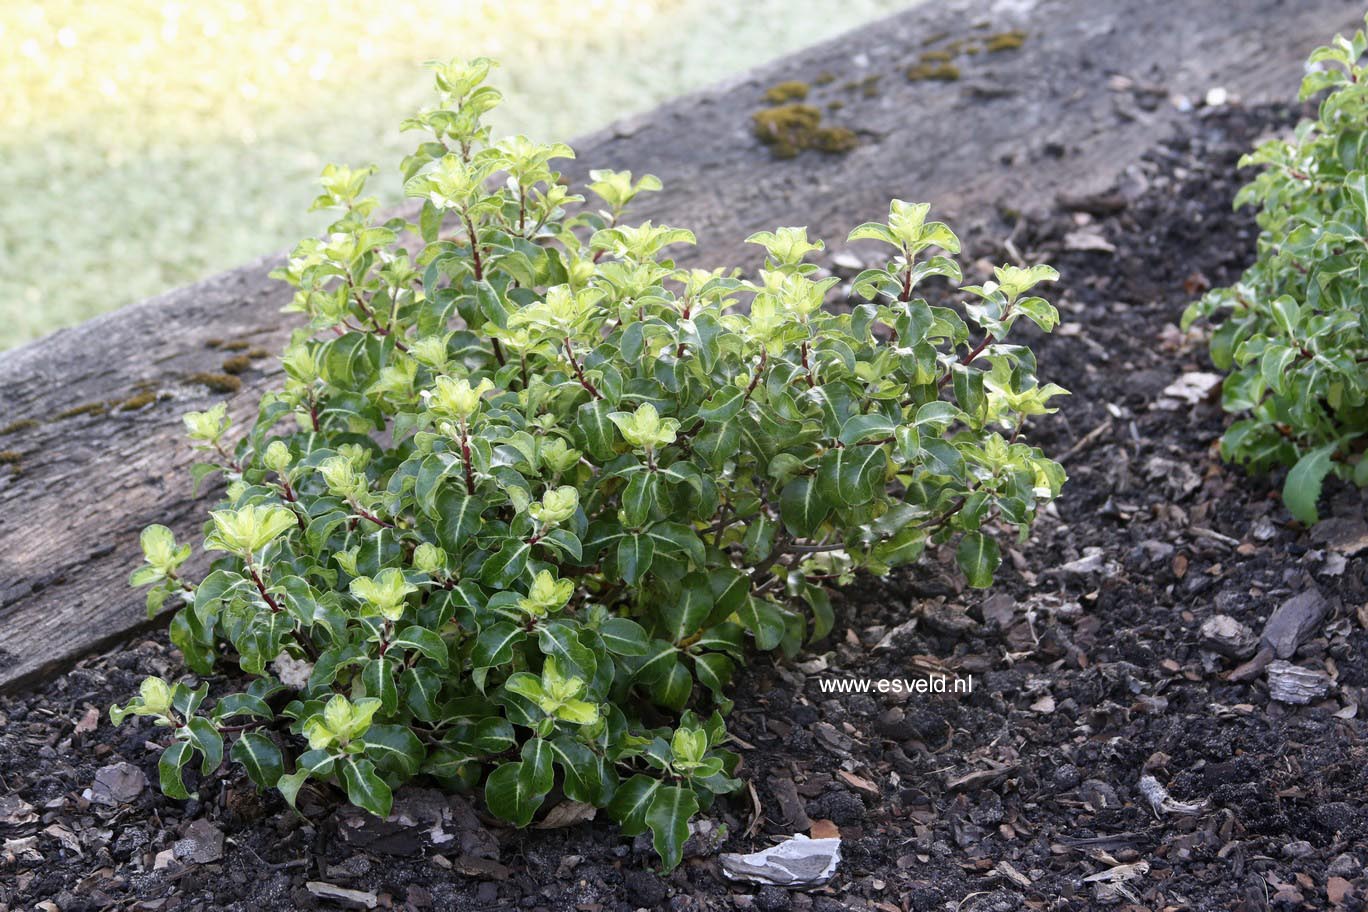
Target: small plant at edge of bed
{"points": [[1293, 331]]}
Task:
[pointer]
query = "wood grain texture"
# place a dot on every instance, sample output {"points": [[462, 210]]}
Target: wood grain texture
{"points": [[1018, 128]]}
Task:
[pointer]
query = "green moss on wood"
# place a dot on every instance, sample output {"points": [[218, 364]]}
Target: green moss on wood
{"points": [[219, 383], [90, 408], [237, 364], [1005, 41], [835, 140], [14, 427], [936, 72], [789, 129], [141, 400], [784, 92]]}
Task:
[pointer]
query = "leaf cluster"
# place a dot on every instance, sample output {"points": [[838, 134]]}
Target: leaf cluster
{"points": [[531, 493], [1293, 331]]}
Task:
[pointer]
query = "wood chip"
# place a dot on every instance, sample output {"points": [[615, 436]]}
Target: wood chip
{"points": [[1290, 683], [824, 829], [352, 899], [567, 813], [859, 782]]}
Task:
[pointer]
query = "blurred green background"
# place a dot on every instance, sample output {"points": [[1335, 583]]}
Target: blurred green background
{"points": [[146, 144]]}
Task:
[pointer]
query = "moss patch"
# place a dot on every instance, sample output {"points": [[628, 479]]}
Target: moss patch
{"points": [[10, 457], [1005, 41], [219, 383], [784, 92], [835, 140], [237, 364], [936, 72], [145, 398], [789, 129], [90, 408], [826, 77], [14, 427]]}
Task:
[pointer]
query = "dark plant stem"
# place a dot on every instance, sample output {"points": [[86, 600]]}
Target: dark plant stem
{"points": [[579, 372]]}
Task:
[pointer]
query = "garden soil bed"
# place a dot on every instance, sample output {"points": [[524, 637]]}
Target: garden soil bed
{"points": [[1088, 672]]}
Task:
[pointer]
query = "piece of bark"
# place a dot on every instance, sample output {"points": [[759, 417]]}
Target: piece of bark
{"points": [[1222, 634], [1293, 623], [1289, 683], [351, 899], [790, 803], [1347, 535], [98, 459]]}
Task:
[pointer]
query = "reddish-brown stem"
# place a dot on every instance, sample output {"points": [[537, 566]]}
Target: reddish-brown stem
{"points": [[811, 381], [969, 357], [366, 514], [759, 369], [261, 587], [477, 263], [579, 372], [465, 460]]}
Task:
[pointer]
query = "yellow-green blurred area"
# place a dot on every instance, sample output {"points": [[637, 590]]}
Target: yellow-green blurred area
{"points": [[146, 144]]}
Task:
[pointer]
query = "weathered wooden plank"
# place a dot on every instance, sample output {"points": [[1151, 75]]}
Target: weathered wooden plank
{"points": [[1016, 129]]}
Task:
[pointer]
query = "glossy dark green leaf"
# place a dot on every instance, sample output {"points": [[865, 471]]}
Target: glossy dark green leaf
{"points": [[803, 506], [169, 768], [365, 788], [668, 817], [260, 757], [978, 556]]}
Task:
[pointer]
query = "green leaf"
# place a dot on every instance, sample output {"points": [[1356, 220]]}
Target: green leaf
{"points": [[1302, 489], [714, 671], [458, 519], [639, 498], [764, 620], [803, 507], [505, 565], [260, 757], [424, 641], [378, 676], [668, 817], [494, 645], [597, 428], [365, 788], [624, 637], [634, 556], [169, 767], [395, 747], [978, 556], [673, 689], [631, 803], [685, 615], [509, 796], [586, 777], [205, 738]]}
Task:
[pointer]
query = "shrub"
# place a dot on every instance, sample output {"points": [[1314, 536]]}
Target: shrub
{"points": [[1293, 331], [529, 495]]}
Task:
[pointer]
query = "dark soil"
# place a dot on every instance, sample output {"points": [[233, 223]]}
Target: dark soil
{"points": [[1086, 661]]}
